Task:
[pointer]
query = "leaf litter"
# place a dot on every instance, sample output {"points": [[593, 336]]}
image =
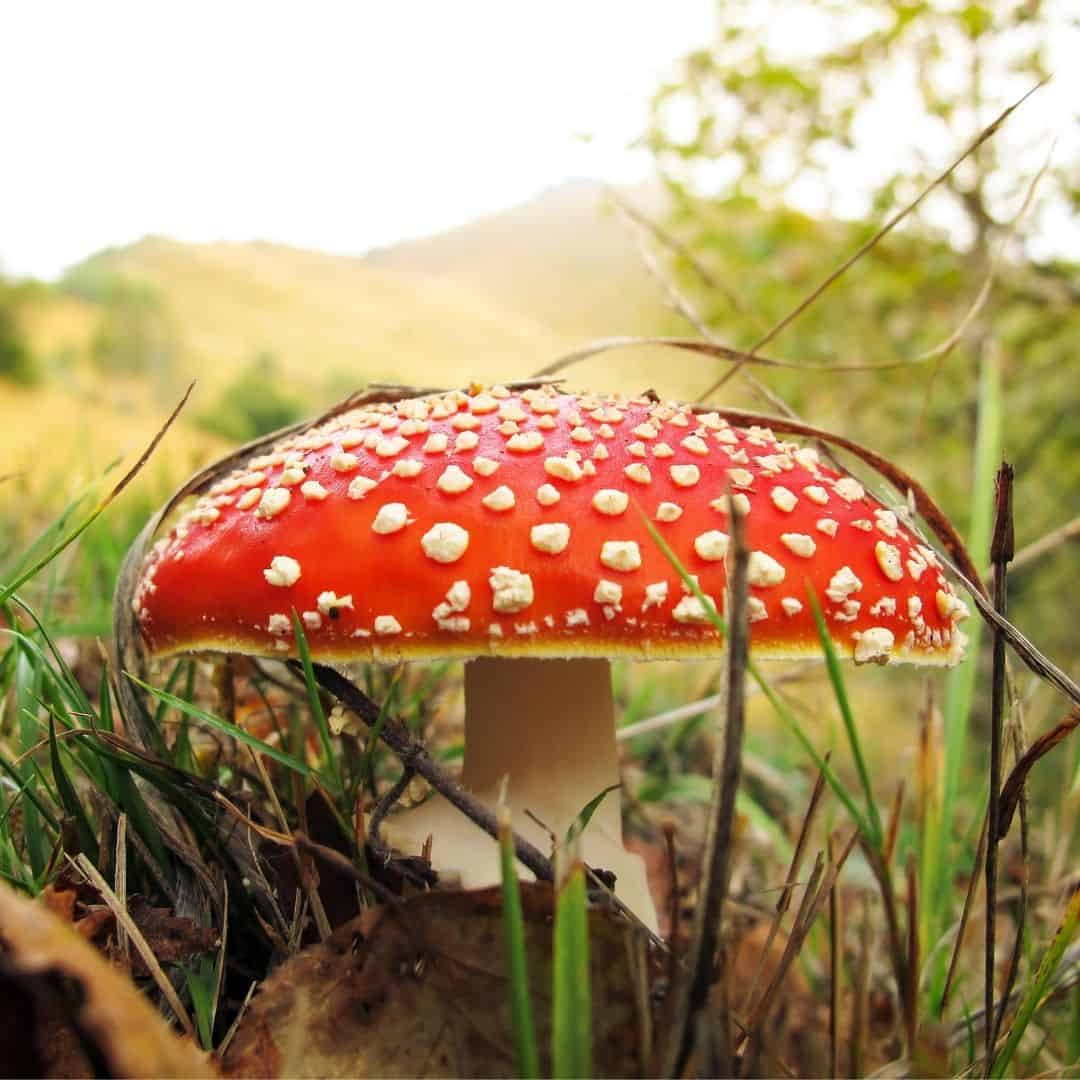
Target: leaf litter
{"points": [[420, 989]]}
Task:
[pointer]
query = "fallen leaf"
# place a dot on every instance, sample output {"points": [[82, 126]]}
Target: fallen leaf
{"points": [[1010, 791], [420, 990], [173, 939], [68, 1011]]}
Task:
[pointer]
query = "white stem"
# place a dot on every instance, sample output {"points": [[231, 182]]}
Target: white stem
{"points": [[549, 726]]}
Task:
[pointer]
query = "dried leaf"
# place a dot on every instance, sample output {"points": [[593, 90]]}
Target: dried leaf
{"points": [[70, 1012], [421, 990], [1010, 791], [172, 938]]}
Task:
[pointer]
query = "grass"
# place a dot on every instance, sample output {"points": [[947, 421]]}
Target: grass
{"points": [[68, 774]]}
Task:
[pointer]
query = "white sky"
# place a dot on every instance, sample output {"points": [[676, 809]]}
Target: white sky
{"points": [[339, 126], [345, 126]]}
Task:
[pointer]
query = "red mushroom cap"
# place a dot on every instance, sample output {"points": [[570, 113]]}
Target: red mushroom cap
{"points": [[506, 523]]}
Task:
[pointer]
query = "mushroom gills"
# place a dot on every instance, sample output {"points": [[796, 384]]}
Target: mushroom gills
{"points": [[548, 725]]}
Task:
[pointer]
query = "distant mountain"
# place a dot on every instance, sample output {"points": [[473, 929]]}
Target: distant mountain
{"points": [[563, 258], [493, 300], [326, 315], [496, 298]]}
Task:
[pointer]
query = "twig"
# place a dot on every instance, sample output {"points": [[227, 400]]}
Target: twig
{"points": [[957, 559], [674, 902], [912, 992], [784, 900], [1021, 917], [142, 946], [1044, 545], [696, 708], [892, 825], [885, 229], [939, 352], [812, 903], [1001, 551], [897, 945], [303, 872], [716, 350], [861, 1006], [682, 305], [965, 915], [835, 935], [414, 756], [692, 991]]}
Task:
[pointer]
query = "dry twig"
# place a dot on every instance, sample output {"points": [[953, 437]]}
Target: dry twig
{"points": [[692, 991], [885, 229]]}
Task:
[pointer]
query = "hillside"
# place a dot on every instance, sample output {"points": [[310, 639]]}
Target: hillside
{"points": [[324, 315], [563, 258], [495, 299]]}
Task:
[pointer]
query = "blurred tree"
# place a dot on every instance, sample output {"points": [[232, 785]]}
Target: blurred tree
{"points": [[136, 336], [851, 110], [254, 403], [17, 363]]}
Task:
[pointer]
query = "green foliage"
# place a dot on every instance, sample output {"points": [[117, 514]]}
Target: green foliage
{"points": [[17, 362], [759, 122], [137, 334], [254, 403]]}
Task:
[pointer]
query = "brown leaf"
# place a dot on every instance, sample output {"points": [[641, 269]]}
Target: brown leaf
{"points": [[420, 990], [1010, 791], [68, 1011], [172, 938], [60, 901]]}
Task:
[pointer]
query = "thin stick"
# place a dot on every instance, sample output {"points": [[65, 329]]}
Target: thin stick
{"points": [[120, 880], [686, 309], [692, 991], [885, 229], [892, 825], [1001, 552], [861, 1007], [674, 905], [303, 872], [1044, 545], [939, 352], [912, 1014], [414, 756], [835, 935], [965, 914], [142, 946], [897, 946], [1021, 920], [784, 900]]}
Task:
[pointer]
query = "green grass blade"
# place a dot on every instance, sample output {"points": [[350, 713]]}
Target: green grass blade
{"points": [[70, 799], [225, 727], [367, 762], [526, 1055], [27, 785], [1037, 991], [777, 703], [333, 771], [201, 982], [129, 800], [571, 1021], [27, 693], [585, 815], [832, 664], [960, 684]]}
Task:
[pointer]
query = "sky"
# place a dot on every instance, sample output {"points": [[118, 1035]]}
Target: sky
{"points": [[338, 126], [347, 126]]}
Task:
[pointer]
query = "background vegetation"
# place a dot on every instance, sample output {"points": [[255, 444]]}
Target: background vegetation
{"points": [[971, 313]]}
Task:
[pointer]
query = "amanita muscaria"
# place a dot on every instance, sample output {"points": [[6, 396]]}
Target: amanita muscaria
{"points": [[506, 528]]}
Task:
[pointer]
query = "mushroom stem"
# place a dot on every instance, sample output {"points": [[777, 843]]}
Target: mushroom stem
{"points": [[549, 726]]}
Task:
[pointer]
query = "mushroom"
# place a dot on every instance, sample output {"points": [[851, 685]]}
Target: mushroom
{"points": [[506, 528]]}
